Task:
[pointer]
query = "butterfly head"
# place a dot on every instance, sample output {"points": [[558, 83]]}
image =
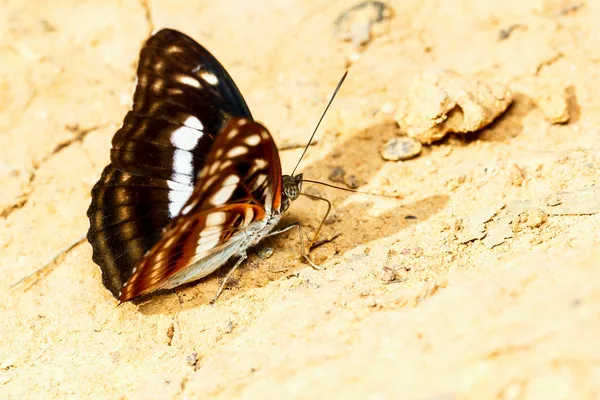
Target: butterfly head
{"points": [[291, 189]]}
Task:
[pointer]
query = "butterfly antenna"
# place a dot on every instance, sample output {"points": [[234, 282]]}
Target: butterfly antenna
{"points": [[391, 196], [321, 119]]}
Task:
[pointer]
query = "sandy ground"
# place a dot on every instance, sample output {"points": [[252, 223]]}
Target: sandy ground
{"points": [[403, 309]]}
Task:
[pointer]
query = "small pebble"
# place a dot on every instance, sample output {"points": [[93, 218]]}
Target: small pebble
{"points": [[517, 176], [228, 327], [387, 275], [191, 359], [264, 252], [351, 181], [402, 148], [418, 251], [506, 32], [337, 174], [535, 218]]}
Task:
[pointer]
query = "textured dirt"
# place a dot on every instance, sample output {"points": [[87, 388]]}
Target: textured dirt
{"points": [[407, 306]]}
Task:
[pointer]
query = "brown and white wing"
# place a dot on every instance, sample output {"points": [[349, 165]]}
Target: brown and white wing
{"points": [[127, 217], [182, 99], [239, 185], [186, 244]]}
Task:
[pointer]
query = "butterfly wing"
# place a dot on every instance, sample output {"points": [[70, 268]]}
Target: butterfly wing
{"points": [[236, 201], [182, 99]]}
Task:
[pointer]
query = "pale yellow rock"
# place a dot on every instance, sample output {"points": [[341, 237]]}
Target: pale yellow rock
{"points": [[442, 101], [551, 98]]}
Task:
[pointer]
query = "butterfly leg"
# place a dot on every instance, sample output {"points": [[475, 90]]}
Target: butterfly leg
{"points": [[237, 264], [300, 233], [310, 196]]}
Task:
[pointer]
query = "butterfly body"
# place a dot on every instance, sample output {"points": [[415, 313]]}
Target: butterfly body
{"points": [[193, 181]]}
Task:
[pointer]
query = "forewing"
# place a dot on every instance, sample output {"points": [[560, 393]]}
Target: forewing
{"points": [[240, 185], [182, 99]]}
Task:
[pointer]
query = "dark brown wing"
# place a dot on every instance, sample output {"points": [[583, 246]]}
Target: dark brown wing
{"points": [[127, 215], [182, 99], [240, 185]]}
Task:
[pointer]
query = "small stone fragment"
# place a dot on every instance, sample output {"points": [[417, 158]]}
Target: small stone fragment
{"points": [[402, 148], [517, 176], [357, 24], [442, 101], [228, 327], [337, 174], [170, 334], [192, 359], [506, 32], [455, 182], [387, 275], [351, 181], [554, 107], [551, 98], [534, 218], [531, 218]]}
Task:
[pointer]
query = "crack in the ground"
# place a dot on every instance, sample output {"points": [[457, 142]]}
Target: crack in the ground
{"points": [[45, 269], [148, 16], [547, 63], [23, 198], [80, 135]]}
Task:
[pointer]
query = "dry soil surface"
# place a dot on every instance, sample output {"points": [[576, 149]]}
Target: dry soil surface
{"points": [[412, 302]]}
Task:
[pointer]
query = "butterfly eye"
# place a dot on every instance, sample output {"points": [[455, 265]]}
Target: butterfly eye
{"points": [[298, 179]]}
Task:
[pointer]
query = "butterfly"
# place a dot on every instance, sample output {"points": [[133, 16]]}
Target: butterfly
{"points": [[193, 180]]}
